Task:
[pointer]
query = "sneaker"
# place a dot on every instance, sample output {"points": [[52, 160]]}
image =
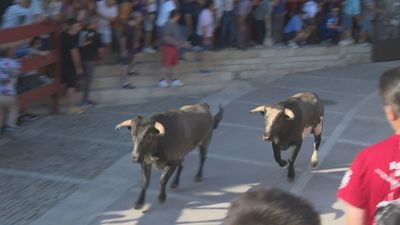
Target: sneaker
{"points": [[88, 104], [127, 85], [163, 83], [293, 45], [149, 50], [177, 83], [75, 110], [13, 131], [205, 71], [344, 43]]}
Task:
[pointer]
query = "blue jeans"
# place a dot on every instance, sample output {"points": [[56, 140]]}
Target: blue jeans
{"points": [[228, 32]]}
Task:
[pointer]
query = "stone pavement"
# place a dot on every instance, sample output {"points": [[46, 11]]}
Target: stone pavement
{"points": [[76, 170]]}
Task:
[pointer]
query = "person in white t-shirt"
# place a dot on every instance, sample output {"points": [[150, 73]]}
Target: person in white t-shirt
{"points": [[205, 32], [18, 14], [107, 11], [163, 16]]}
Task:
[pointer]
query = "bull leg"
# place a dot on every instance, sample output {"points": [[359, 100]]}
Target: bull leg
{"points": [[277, 155], [146, 173], [203, 153], [314, 157], [175, 184], [292, 159], [166, 174]]}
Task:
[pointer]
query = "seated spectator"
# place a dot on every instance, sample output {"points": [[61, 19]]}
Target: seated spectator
{"points": [[9, 72], [294, 33], [18, 14], [330, 30], [270, 206]]}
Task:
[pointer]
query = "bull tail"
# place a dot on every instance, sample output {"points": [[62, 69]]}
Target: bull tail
{"points": [[218, 116]]}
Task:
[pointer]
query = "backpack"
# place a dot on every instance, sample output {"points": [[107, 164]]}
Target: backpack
{"points": [[388, 213]]}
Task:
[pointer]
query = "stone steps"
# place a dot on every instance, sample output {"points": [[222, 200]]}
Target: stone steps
{"points": [[226, 65]]}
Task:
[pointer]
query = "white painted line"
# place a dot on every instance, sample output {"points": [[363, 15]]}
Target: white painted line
{"points": [[41, 176], [351, 142], [302, 181]]}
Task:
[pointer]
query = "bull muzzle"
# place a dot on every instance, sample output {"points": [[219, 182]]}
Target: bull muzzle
{"points": [[266, 138]]}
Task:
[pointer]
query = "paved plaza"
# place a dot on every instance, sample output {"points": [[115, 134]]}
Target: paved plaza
{"points": [[76, 169]]}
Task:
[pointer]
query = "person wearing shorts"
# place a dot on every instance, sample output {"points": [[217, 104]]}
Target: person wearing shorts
{"points": [[171, 42], [148, 22], [108, 12]]}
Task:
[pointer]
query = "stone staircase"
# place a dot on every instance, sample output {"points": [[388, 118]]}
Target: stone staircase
{"points": [[226, 65]]}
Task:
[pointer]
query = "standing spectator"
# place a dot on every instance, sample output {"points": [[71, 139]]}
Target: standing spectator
{"points": [[278, 21], [243, 12], [171, 42], [260, 17], [9, 71], [368, 9], [148, 25], [205, 31], [128, 47], [330, 30], [374, 174], [351, 11], [228, 33], [185, 22], [163, 16], [89, 45], [107, 12], [197, 7], [18, 14], [72, 65]]}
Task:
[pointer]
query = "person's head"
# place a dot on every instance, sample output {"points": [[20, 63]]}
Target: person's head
{"points": [[270, 206], [335, 11], [299, 12], [174, 15], [73, 26], [209, 4], [110, 3], [24, 3], [389, 89]]}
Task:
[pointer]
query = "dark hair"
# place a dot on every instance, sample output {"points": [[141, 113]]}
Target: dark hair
{"points": [[270, 206], [389, 88], [173, 13], [71, 21], [208, 3]]}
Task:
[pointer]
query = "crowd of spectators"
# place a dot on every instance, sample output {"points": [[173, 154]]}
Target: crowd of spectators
{"points": [[92, 29]]}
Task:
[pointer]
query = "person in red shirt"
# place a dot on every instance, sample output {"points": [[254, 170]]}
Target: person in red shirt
{"points": [[374, 175]]}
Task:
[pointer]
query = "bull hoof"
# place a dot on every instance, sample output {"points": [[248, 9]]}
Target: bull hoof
{"points": [[314, 164], [174, 186], [283, 163], [198, 178], [161, 198], [138, 206]]}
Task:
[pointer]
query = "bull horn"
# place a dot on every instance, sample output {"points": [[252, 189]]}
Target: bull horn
{"points": [[160, 128], [289, 113], [260, 109], [126, 123]]}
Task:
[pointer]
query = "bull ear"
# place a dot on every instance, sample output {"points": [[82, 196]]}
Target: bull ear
{"points": [[126, 123], [160, 128], [259, 109], [289, 114]]}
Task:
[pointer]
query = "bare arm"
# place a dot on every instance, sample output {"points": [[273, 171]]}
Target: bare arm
{"points": [[76, 59], [354, 215]]}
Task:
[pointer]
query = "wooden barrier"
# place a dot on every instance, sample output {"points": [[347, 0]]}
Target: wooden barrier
{"points": [[31, 63]]}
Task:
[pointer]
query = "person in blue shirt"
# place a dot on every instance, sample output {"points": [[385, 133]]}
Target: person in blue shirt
{"points": [[294, 31], [329, 28]]}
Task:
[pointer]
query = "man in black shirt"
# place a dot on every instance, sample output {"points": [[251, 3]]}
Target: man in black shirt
{"points": [[89, 46], [71, 63]]}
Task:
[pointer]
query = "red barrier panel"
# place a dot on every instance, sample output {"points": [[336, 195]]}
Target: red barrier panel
{"points": [[31, 63]]}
